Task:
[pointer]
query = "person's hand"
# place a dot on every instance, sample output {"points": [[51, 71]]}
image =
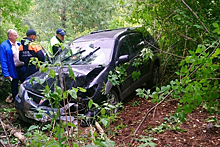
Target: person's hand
{"points": [[9, 78]]}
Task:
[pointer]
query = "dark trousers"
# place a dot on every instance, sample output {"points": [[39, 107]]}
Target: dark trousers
{"points": [[22, 74]]}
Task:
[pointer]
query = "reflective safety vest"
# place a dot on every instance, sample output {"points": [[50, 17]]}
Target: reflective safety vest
{"points": [[53, 41]]}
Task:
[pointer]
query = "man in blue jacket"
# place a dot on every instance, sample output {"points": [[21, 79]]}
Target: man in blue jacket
{"points": [[12, 68]]}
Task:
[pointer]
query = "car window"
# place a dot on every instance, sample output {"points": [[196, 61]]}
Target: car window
{"points": [[150, 42], [124, 47], [137, 42], [88, 52]]}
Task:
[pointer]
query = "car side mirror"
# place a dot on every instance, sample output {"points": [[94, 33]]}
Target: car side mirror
{"points": [[122, 59]]}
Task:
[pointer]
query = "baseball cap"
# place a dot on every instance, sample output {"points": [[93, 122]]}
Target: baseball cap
{"points": [[61, 32], [31, 32]]}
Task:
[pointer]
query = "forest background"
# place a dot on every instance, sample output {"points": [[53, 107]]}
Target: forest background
{"points": [[187, 31]]}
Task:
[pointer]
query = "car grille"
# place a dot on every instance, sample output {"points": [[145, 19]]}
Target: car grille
{"points": [[35, 97]]}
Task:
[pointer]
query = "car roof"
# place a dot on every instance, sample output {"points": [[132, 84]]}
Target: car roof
{"points": [[103, 34]]}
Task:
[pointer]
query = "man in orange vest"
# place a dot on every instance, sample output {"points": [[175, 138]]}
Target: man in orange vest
{"points": [[29, 49]]}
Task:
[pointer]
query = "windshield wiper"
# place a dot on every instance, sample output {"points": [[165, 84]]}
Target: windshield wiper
{"points": [[80, 52], [84, 58]]}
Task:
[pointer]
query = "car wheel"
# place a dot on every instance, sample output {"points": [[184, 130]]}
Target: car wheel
{"points": [[155, 78], [24, 119], [113, 99]]}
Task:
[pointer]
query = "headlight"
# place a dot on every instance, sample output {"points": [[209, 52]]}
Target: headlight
{"points": [[21, 90]]}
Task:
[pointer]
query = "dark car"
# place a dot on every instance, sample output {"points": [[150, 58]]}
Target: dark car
{"points": [[91, 59]]}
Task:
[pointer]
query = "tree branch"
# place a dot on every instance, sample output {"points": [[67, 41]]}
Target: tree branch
{"points": [[3, 126], [201, 64], [195, 16], [152, 108], [15, 132]]}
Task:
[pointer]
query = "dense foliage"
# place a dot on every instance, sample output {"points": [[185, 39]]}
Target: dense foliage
{"points": [[187, 31], [75, 17], [11, 16], [188, 34]]}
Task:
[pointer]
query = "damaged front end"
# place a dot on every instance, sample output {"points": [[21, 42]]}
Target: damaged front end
{"points": [[30, 108], [32, 104]]}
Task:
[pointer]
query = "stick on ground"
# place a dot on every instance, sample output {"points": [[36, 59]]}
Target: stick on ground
{"points": [[15, 132]]}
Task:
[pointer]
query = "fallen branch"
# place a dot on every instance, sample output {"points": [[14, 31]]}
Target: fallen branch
{"points": [[92, 130], [1, 144], [101, 131], [152, 108], [9, 98], [15, 132], [5, 131]]}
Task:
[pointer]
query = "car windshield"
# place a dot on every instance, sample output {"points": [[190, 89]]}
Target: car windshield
{"points": [[87, 52]]}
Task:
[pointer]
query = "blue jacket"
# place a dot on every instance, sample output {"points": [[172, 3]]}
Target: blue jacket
{"points": [[7, 61]]}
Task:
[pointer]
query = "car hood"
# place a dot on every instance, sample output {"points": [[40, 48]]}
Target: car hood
{"points": [[84, 74]]}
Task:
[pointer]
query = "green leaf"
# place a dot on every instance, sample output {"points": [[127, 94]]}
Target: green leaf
{"points": [[103, 111], [32, 127], [104, 122], [216, 54], [47, 90], [45, 69], [215, 24], [198, 26], [32, 80], [140, 92], [136, 75], [39, 115], [65, 94], [59, 90], [44, 128], [73, 93], [71, 73], [81, 89], [199, 50], [52, 73], [90, 103], [64, 139]]}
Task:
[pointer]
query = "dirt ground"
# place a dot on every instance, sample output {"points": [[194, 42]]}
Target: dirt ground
{"points": [[196, 132]]}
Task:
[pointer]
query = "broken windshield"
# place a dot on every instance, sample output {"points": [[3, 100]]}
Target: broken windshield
{"points": [[87, 52]]}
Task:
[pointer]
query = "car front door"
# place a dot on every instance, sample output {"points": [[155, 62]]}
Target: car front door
{"points": [[141, 72], [136, 75]]}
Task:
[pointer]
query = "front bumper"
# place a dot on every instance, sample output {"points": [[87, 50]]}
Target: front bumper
{"points": [[30, 109]]}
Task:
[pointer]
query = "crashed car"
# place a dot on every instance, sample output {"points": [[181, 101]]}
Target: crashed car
{"points": [[92, 58]]}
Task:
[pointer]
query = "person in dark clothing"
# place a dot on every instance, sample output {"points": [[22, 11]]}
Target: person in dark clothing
{"points": [[29, 49], [12, 68]]}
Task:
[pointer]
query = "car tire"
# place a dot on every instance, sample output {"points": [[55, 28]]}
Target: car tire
{"points": [[155, 78], [113, 99], [24, 119]]}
